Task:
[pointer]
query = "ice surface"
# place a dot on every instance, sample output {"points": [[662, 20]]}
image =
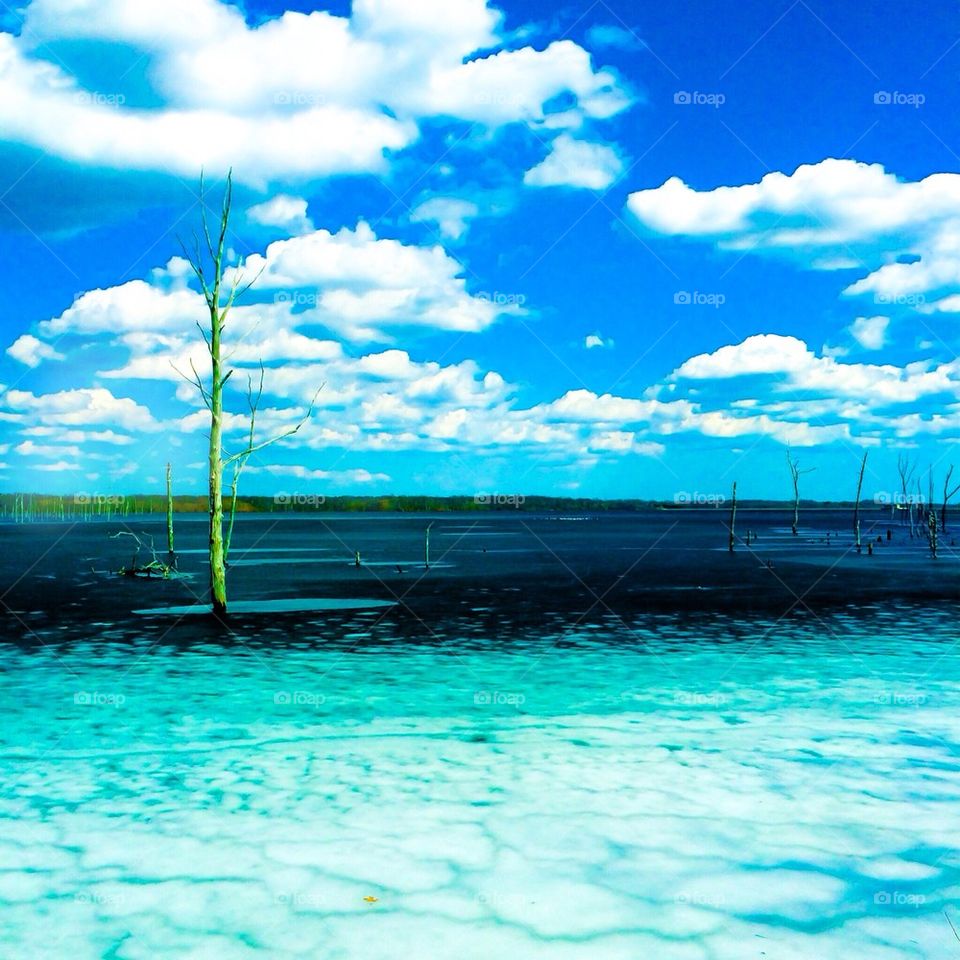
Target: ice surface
{"points": [[298, 605], [679, 790]]}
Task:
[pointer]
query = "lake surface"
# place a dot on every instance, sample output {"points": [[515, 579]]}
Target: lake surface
{"points": [[468, 780]]}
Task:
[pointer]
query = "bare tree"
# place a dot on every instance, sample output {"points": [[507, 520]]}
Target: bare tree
{"points": [[795, 473], [856, 506], [948, 494], [733, 518], [171, 556], [906, 470], [426, 547], [208, 263], [239, 460]]}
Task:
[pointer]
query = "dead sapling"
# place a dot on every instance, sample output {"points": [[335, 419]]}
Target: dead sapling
{"points": [[239, 460], [171, 555], [154, 568], [948, 494], [732, 539], [795, 474], [220, 293], [856, 505], [426, 547], [906, 470]]}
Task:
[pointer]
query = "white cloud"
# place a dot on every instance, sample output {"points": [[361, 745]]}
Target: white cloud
{"points": [[60, 435], [870, 332], [364, 285], [30, 449], [283, 211], [609, 35], [134, 306], [337, 477], [352, 282], [296, 97], [576, 163], [451, 215], [834, 215], [792, 366], [80, 407], [61, 466], [763, 353], [594, 341], [31, 351]]}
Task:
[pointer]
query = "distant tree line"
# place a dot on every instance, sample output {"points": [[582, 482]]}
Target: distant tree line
{"points": [[22, 507]]}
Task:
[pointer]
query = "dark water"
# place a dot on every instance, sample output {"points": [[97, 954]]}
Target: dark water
{"points": [[500, 564]]}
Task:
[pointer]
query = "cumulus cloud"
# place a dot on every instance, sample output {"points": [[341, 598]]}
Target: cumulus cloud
{"points": [[833, 215], [78, 407], [790, 366], [299, 96], [870, 332], [30, 449], [451, 215], [593, 341], [282, 211], [338, 477], [30, 351], [576, 163], [362, 286], [353, 283]]}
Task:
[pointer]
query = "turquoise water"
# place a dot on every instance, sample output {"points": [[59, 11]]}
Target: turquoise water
{"points": [[667, 787]]}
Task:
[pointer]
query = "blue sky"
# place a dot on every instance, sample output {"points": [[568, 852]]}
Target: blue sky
{"points": [[599, 250]]}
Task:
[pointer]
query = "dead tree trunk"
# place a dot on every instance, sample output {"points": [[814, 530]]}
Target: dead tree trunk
{"points": [[906, 470], [733, 519], [171, 556], [209, 271], [948, 494], [233, 513], [856, 506], [795, 474]]}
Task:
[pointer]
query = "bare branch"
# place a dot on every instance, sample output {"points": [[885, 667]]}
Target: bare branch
{"points": [[194, 381], [206, 339], [253, 448]]}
